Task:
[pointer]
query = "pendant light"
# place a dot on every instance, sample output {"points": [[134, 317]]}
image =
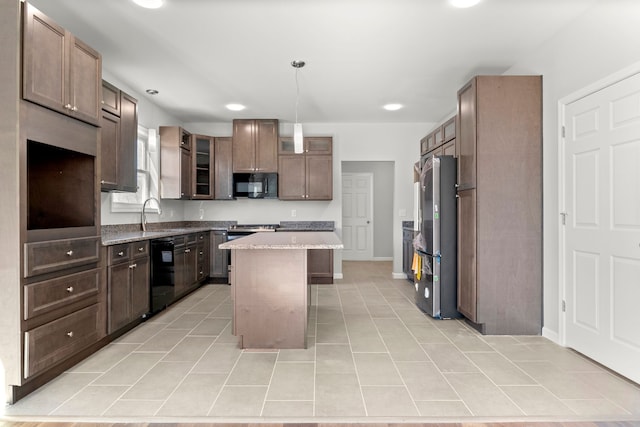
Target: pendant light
{"points": [[298, 140]]}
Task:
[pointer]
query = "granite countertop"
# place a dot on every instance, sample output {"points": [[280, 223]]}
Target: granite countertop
{"points": [[116, 238], [289, 240]]}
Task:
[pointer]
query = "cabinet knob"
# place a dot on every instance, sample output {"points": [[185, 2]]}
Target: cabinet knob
{"points": [[102, 181], [69, 253], [141, 249], [74, 108], [70, 334], [201, 253], [186, 251], [70, 289], [121, 253], [67, 106]]}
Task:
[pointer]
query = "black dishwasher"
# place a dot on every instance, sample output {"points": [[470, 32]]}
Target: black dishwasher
{"points": [[162, 274]]}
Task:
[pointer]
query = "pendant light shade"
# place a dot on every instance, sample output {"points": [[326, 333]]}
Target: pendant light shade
{"points": [[298, 139]]}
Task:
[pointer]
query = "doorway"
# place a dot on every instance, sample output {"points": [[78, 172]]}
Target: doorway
{"points": [[600, 227]]}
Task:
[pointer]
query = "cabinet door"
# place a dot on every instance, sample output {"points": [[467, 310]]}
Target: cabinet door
{"points": [[140, 293], [45, 67], [128, 149], [267, 146], [119, 296], [319, 177], [185, 174], [291, 178], [449, 149], [110, 98], [223, 169], [244, 146], [85, 81], [318, 145], [191, 265], [219, 257], [179, 266], [467, 260], [109, 144], [202, 167], [466, 136]]}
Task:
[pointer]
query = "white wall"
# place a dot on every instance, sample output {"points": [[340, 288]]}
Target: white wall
{"points": [[603, 40], [395, 142]]}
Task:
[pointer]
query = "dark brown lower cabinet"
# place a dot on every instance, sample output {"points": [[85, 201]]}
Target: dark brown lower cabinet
{"points": [[128, 275], [320, 266], [185, 264], [467, 285], [202, 248], [219, 264]]}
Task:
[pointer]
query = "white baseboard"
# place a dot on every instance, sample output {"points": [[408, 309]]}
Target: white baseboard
{"points": [[551, 335], [398, 275], [337, 276]]}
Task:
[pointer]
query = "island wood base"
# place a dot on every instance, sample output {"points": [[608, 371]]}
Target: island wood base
{"points": [[270, 297]]}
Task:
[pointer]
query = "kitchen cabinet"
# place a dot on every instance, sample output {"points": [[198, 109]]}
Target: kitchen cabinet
{"points": [[499, 143], [319, 266], [203, 262], [118, 147], [175, 163], [223, 168], [219, 264], [306, 176], [202, 172], [441, 141], [255, 145], [128, 275], [60, 72], [185, 264]]}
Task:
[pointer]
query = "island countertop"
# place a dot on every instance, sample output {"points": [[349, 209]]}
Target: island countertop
{"points": [[288, 240]]}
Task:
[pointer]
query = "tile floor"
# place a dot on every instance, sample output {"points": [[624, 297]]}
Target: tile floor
{"points": [[372, 356]]}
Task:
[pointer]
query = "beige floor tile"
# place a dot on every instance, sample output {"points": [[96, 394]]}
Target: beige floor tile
{"points": [[299, 354], [536, 401], [190, 349], [564, 385], [412, 316], [210, 327], [470, 343], [448, 358], [141, 334], [133, 408], [482, 397], [160, 381], [338, 395], [194, 396], [253, 368], [292, 381], [331, 333], [499, 369], [451, 408], [239, 401], [329, 314], [105, 359], [388, 401], [376, 369], [218, 359], [130, 369], [381, 310], [163, 341], [619, 391], [227, 337], [224, 311], [425, 382], [595, 407], [285, 409], [426, 333], [334, 359], [91, 400], [168, 315], [187, 321]]}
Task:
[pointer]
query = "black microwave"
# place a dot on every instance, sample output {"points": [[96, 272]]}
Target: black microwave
{"points": [[255, 185]]}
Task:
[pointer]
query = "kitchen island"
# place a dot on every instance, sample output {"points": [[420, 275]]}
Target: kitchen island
{"points": [[269, 289]]}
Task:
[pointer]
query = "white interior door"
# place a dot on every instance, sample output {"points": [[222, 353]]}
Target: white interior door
{"points": [[602, 232], [357, 216]]}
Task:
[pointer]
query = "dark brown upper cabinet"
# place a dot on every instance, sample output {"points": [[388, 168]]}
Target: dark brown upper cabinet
{"points": [[309, 175], [223, 168], [255, 145], [202, 161], [60, 72]]}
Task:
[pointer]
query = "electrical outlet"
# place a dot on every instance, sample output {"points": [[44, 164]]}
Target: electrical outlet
{"points": [[293, 213]]}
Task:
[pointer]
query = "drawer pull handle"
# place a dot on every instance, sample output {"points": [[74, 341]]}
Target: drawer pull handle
{"points": [[70, 289], [201, 253], [186, 251], [70, 334], [141, 249], [121, 253], [133, 265], [69, 253]]}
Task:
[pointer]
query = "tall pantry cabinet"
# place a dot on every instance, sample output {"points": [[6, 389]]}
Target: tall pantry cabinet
{"points": [[499, 150]]}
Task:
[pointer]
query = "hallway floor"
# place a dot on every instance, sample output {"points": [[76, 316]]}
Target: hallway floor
{"points": [[372, 357]]}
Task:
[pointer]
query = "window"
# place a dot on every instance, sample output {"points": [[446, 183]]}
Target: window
{"points": [[147, 175]]}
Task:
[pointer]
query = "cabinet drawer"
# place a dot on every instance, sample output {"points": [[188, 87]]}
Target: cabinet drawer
{"points": [[191, 238], [46, 296], [54, 255], [202, 236], [55, 341], [119, 253], [139, 249]]}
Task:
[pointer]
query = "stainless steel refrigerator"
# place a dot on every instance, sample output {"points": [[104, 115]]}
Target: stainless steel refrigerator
{"points": [[436, 245]]}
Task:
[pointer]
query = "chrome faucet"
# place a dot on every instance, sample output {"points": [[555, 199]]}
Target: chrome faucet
{"points": [[143, 217]]}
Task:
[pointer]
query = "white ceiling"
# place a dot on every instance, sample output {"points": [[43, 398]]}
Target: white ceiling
{"points": [[360, 54]]}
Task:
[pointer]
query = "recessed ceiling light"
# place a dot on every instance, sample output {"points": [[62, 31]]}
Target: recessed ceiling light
{"points": [[463, 4], [149, 4], [235, 107], [152, 91], [392, 107]]}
